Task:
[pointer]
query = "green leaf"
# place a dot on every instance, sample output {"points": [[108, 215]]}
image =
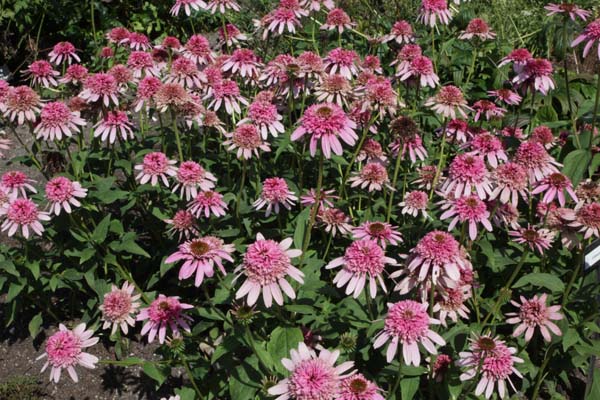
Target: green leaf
{"points": [[34, 325], [153, 372], [13, 291], [408, 387], [575, 164], [99, 235], [541, 279], [240, 387], [281, 342], [595, 389], [301, 221], [570, 338]]}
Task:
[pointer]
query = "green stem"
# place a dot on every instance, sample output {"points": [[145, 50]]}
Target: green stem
{"points": [[328, 246], [596, 102], [398, 379], [92, 19], [442, 161], [241, 188], [315, 209], [540, 374], [129, 278], [225, 33], [186, 365], [177, 137], [472, 67], [567, 88], [579, 262], [355, 154], [253, 346], [392, 192]]}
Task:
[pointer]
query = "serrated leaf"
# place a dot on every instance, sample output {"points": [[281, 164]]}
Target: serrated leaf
{"points": [[541, 279]]}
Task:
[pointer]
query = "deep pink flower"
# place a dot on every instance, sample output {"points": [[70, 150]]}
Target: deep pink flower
{"points": [[137, 41], [56, 120], [226, 92], [337, 19], [275, 192], [537, 239], [535, 159], [543, 135], [281, 19], [119, 308], [63, 52], [16, 183], [101, 86], [188, 6], [146, 89], [155, 166], [22, 214], [535, 313], [554, 186], [468, 173], [75, 73], [324, 198], [381, 232], [487, 109], [184, 223], [372, 175], [334, 220], [342, 61], [243, 62], [433, 10], [191, 177], [357, 387], [507, 96], [164, 312], [510, 180], [478, 28], [64, 350], [448, 101], [198, 50], [21, 103], [591, 33], [142, 64], [401, 32], [518, 57], [468, 209], [42, 73], [536, 72], [116, 35], [264, 115], [247, 140], [62, 193], [122, 74], [114, 123], [421, 68], [207, 203], [490, 147], [171, 96]]}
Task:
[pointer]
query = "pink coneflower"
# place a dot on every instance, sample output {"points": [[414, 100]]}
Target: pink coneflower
{"points": [[381, 232], [329, 123], [507, 96], [514, 132], [591, 33], [190, 177], [207, 203], [122, 74], [371, 150], [64, 350], [440, 367], [572, 10], [334, 220], [415, 202], [337, 19], [184, 223], [534, 313], [362, 259], [380, 96], [164, 312], [315, 5], [554, 186], [75, 73], [478, 28], [401, 32], [433, 10], [16, 183], [536, 72], [342, 61], [587, 219], [506, 215], [451, 304], [119, 308], [373, 176], [114, 123], [146, 89], [155, 166], [448, 101], [406, 54], [275, 192], [490, 147], [468, 209], [137, 41], [266, 265], [407, 324], [63, 51], [334, 88], [21, 103], [247, 140], [200, 256], [518, 57], [543, 135], [494, 360], [62, 193], [142, 64], [101, 86], [57, 119], [222, 5], [231, 35], [264, 115], [537, 239], [357, 387], [535, 159], [311, 377], [281, 19], [588, 191], [171, 96], [510, 180], [458, 131], [188, 6], [185, 73], [42, 73], [107, 52], [487, 109], [468, 173], [323, 198], [420, 68], [198, 50], [427, 175], [118, 34], [226, 92], [22, 214], [243, 62]]}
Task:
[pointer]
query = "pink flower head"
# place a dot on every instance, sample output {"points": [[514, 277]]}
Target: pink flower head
{"points": [[487, 109], [114, 123], [42, 73], [55, 120], [75, 73], [537, 239], [188, 6], [554, 186], [543, 135], [162, 313], [448, 101], [518, 57], [137, 41], [16, 183], [433, 10], [243, 62], [226, 92], [511, 181], [402, 32], [266, 264], [534, 313], [536, 72], [406, 54], [329, 123], [458, 130], [323, 198], [191, 177], [591, 33], [63, 52], [478, 28], [275, 192], [451, 304], [147, 87], [363, 259], [64, 350], [440, 367], [372, 175], [200, 255], [118, 34], [334, 88], [21, 103], [171, 96], [142, 64], [62, 193], [264, 115], [409, 144], [101, 86], [380, 97], [468, 209], [415, 202], [535, 159], [334, 220], [507, 96], [231, 35], [315, 5], [22, 214], [342, 61], [381, 232], [222, 5], [468, 174], [207, 203], [407, 324], [155, 166], [427, 175], [420, 67], [281, 19], [119, 308], [247, 140], [198, 50], [570, 9], [357, 387], [122, 74], [371, 150], [490, 147], [184, 223], [337, 19], [312, 377], [587, 219]]}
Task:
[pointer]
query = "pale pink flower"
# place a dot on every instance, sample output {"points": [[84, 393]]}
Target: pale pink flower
{"points": [[56, 120], [334, 88], [155, 166], [420, 68], [275, 192], [184, 223], [427, 175], [312, 377], [535, 159], [373, 176], [591, 33], [63, 52], [487, 109], [190, 177], [265, 266], [415, 202], [337, 19], [433, 10], [200, 255], [407, 324], [587, 219], [281, 19], [123, 76], [21, 103], [100, 86], [62, 193], [406, 54], [119, 308], [114, 123], [571, 9], [207, 203], [468, 209], [448, 101], [142, 64], [536, 72], [537, 239], [401, 32], [381, 232], [329, 123], [247, 140], [451, 304], [75, 73], [146, 89], [64, 350], [222, 6], [379, 96], [22, 214], [137, 41], [507, 96], [188, 6], [42, 73], [164, 312], [458, 131], [490, 147], [264, 115], [16, 183], [198, 50], [518, 57], [467, 174], [233, 37], [411, 145], [535, 313], [371, 150], [357, 387], [588, 190], [342, 61], [171, 96], [543, 135], [315, 5], [511, 181], [243, 62], [334, 220], [323, 198], [226, 92], [363, 260], [478, 28], [116, 35], [554, 186], [506, 215]]}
